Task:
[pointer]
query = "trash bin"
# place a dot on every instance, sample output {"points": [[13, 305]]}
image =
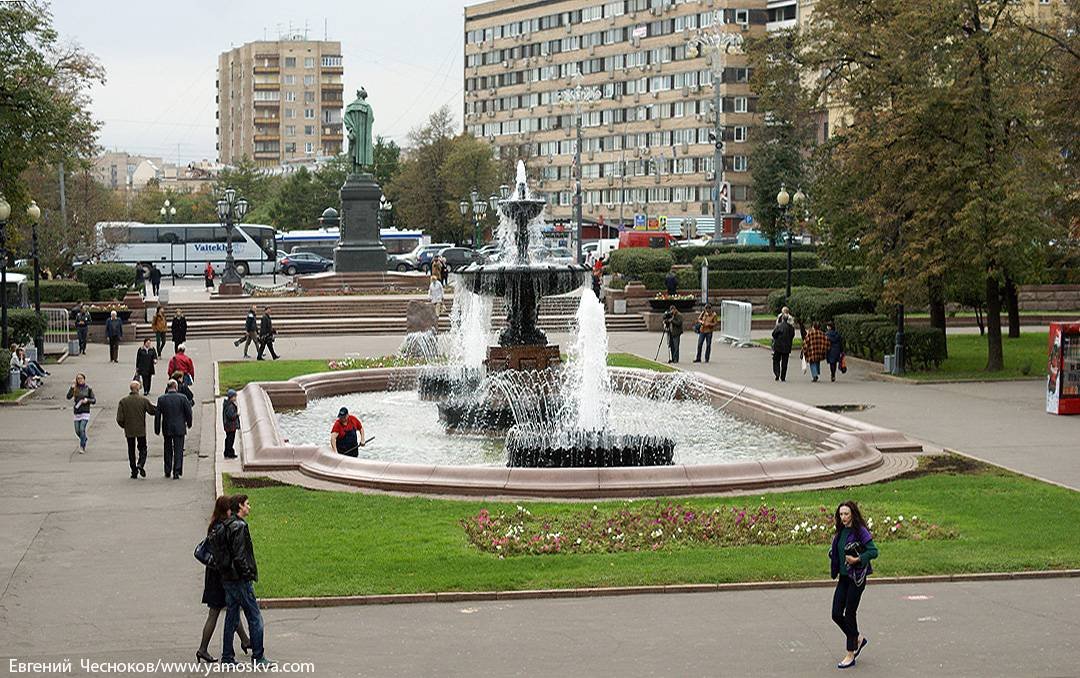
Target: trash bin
{"points": [[620, 306], [73, 347], [14, 380], [890, 363]]}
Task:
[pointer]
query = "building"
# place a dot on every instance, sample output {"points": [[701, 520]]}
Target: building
{"points": [[122, 171], [646, 146], [279, 101]]}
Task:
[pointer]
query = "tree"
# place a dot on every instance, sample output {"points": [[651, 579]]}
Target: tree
{"points": [[387, 157], [470, 165], [418, 192], [251, 182]]}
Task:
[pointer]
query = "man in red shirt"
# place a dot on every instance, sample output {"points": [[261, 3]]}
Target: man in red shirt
{"points": [[181, 363], [347, 434]]}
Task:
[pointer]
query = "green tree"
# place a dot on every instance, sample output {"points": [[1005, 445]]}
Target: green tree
{"points": [[251, 182], [421, 199], [387, 157], [470, 165]]}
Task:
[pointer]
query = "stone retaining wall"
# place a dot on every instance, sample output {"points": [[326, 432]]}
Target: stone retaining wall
{"points": [[1049, 297]]}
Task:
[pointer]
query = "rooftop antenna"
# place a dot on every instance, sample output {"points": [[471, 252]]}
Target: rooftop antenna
{"points": [[305, 30], [325, 30]]}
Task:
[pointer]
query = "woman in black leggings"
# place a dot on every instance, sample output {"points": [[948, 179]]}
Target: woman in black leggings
{"points": [[852, 550]]}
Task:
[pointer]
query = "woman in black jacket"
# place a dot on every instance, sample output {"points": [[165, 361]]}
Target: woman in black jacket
{"points": [[179, 329], [214, 593], [83, 396], [849, 558]]}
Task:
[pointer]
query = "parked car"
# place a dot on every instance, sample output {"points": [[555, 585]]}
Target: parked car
{"points": [[559, 255], [490, 251], [399, 262], [425, 253], [304, 262], [459, 257], [653, 239]]}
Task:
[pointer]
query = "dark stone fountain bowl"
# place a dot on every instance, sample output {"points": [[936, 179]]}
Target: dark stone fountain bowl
{"points": [[534, 447], [544, 279]]}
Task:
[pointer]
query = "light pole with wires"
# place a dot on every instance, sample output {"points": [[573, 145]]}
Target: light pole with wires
{"points": [[578, 96]]}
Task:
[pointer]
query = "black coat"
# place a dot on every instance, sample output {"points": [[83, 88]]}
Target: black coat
{"points": [[251, 323], [155, 276], [179, 329], [144, 360], [173, 416], [671, 282], [114, 328], [213, 594], [782, 337], [237, 555], [266, 328]]}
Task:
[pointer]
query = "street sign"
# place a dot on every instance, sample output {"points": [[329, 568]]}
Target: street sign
{"points": [[748, 219], [662, 222], [639, 221]]}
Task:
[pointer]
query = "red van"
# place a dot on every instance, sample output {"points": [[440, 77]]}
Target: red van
{"points": [[654, 239]]}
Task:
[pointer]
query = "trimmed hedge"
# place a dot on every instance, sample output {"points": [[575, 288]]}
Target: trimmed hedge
{"points": [[5, 361], [23, 326], [736, 280], [64, 291], [114, 294], [759, 261], [853, 328], [686, 255], [872, 336], [636, 262], [99, 277], [810, 304]]}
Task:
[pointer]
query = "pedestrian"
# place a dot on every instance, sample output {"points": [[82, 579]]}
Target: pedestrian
{"points": [[140, 279], [82, 327], [671, 282], [835, 356], [181, 387], [131, 416], [251, 331], [436, 267], [814, 348], [172, 421], [83, 396], [144, 364], [230, 419], [160, 326], [155, 279], [213, 592], [849, 560], [347, 434], [266, 335], [706, 324], [180, 362], [238, 573], [783, 335], [114, 330], [435, 294], [208, 276], [444, 274], [673, 325], [179, 329], [31, 373]]}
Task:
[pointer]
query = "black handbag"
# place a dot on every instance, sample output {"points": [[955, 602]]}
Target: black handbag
{"points": [[857, 573], [203, 554]]}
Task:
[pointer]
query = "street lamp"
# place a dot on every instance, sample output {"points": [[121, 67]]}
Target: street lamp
{"points": [[719, 44], [168, 213], [782, 200], [479, 208], [5, 212], [33, 212], [384, 209], [231, 211], [578, 96]]}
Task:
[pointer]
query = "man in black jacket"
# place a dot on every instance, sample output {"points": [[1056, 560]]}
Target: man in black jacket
{"points": [[266, 335], [172, 420], [179, 329], [82, 326], [235, 558], [251, 328], [144, 364], [782, 337], [155, 279]]}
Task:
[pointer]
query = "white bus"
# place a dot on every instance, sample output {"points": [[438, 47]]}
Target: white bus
{"points": [[323, 241], [184, 249]]}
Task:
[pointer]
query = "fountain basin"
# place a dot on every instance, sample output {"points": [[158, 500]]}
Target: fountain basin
{"points": [[543, 279]]}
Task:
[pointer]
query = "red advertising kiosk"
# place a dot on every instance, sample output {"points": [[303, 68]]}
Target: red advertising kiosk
{"points": [[1063, 370]]}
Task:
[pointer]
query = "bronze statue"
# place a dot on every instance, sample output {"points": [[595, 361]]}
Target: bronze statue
{"points": [[358, 119]]}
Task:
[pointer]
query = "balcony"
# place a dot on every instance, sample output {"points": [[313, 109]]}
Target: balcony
{"points": [[267, 86], [328, 70], [272, 103], [265, 136], [266, 69], [267, 155], [267, 120], [338, 86], [331, 131]]}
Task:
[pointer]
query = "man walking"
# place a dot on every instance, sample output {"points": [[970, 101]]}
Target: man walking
{"points": [[179, 329], [131, 416], [673, 325], [266, 335], [235, 559], [251, 328], [435, 295], [114, 331], [82, 327], [782, 337], [182, 363], [172, 420], [230, 419], [155, 279], [144, 364]]}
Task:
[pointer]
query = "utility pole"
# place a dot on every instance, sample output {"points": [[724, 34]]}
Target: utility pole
{"points": [[578, 96]]}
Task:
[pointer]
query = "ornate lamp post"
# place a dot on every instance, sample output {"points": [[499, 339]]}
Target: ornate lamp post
{"points": [[5, 212], [479, 208], [33, 212], [578, 97], [385, 207], [168, 213], [231, 211]]}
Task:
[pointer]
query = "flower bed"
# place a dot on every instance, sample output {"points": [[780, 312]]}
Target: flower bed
{"points": [[653, 526], [357, 363], [664, 301], [101, 312]]}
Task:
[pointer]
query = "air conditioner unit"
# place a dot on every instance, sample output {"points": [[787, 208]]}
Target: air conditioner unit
{"points": [[682, 205], [611, 75], [656, 95], [611, 126], [491, 91], [633, 15], [745, 27], [569, 29], [549, 107], [550, 159], [592, 49], [657, 180], [610, 181], [491, 114], [506, 64], [592, 154], [656, 123]]}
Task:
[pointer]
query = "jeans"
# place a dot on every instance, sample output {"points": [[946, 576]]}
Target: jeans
{"points": [[779, 365], [706, 339], [230, 438], [845, 604], [174, 455], [815, 370], [83, 332], [159, 340], [241, 595], [132, 443], [80, 430], [673, 346]]}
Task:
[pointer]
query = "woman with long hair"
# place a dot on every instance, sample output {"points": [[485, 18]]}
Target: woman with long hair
{"points": [[850, 555], [83, 396], [214, 593]]}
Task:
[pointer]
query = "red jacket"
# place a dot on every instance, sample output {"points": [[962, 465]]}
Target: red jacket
{"points": [[182, 363]]}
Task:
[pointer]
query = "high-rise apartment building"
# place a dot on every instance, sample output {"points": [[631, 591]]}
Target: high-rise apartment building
{"points": [[279, 101], [647, 146]]}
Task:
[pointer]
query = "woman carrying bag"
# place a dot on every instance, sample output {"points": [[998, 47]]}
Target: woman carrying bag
{"points": [[849, 557]]}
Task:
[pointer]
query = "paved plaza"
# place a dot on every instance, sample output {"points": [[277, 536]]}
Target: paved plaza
{"points": [[96, 565]]}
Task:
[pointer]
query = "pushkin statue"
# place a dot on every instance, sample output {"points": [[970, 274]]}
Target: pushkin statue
{"points": [[358, 119]]}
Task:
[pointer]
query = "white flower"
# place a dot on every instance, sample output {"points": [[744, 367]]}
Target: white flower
{"points": [[892, 529], [914, 517], [578, 541], [595, 508], [900, 519]]}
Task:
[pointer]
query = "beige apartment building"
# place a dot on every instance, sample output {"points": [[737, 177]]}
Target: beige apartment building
{"points": [[279, 101], [646, 146]]}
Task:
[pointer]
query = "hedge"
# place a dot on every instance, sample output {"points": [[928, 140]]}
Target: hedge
{"points": [[100, 277], [24, 325], [736, 280], [759, 261], [5, 361], [63, 291], [810, 304], [686, 255], [636, 262], [872, 336], [852, 327]]}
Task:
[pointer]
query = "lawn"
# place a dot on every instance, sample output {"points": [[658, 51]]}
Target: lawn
{"points": [[12, 396], [1025, 357], [313, 543]]}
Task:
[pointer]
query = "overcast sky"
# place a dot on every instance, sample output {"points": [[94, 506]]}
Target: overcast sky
{"points": [[160, 60]]}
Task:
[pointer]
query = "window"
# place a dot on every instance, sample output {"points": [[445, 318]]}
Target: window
{"points": [[309, 62], [738, 163], [290, 79], [309, 113], [740, 104], [309, 148], [309, 97], [309, 130], [309, 80], [740, 133], [170, 234], [290, 62], [742, 16], [290, 112], [331, 116], [263, 95], [290, 147], [290, 96], [290, 130]]}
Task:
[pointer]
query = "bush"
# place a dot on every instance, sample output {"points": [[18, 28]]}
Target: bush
{"points": [[812, 304], [636, 262], [63, 291], [741, 280], [114, 294], [5, 362], [28, 271], [686, 255], [99, 277], [23, 326], [924, 346], [759, 261], [852, 327], [872, 336]]}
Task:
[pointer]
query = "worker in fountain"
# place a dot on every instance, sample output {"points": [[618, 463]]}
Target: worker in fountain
{"points": [[347, 434]]}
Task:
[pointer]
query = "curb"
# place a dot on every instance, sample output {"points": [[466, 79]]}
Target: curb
{"points": [[607, 592], [18, 401]]}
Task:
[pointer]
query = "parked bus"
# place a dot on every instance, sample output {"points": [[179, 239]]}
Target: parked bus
{"points": [[323, 241], [184, 249]]}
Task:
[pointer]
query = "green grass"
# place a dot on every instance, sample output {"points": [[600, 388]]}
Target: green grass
{"points": [[631, 360], [312, 543], [967, 358], [12, 396], [765, 341]]}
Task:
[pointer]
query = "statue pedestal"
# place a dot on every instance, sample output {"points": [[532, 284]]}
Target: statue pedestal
{"points": [[230, 289], [525, 357], [359, 248]]}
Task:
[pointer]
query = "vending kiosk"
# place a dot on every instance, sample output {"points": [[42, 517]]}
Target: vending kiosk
{"points": [[1063, 370]]}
